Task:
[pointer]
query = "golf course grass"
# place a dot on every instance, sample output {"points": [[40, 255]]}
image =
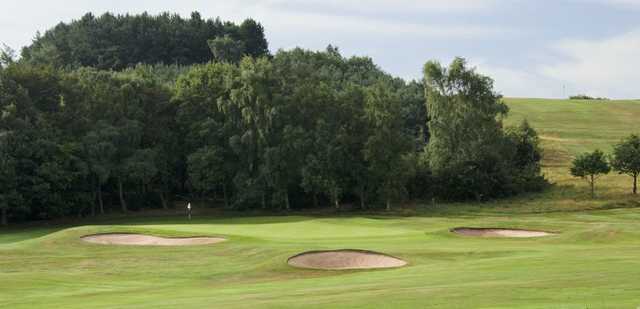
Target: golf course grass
{"points": [[591, 261]]}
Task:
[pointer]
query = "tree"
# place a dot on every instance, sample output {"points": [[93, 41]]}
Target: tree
{"points": [[590, 166], [525, 170], [252, 34], [7, 56], [226, 49], [206, 170], [141, 167], [387, 145], [463, 110], [626, 158], [528, 152], [469, 152], [207, 123], [98, 153], [10, 197], [126, 142]]}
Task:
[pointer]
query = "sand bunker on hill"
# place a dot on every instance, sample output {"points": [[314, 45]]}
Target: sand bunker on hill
{"points": [[147, 240], [499, 232]]}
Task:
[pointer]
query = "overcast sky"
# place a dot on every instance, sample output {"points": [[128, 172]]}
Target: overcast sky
{"points": [[532, 48]]}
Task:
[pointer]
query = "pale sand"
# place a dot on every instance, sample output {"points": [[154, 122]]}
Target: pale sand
{"points": [[500, 232], [147, 240], [344, 259]]}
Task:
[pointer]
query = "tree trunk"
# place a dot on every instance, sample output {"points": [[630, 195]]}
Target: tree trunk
{"points": [[362, 199], [388, 205], [286, 200], [123, 203], [336, 202], [264, 202], [100, 202], [163, 200], [224, 193], [4, 221], [635, 184], [315, 199], [94, 201], [593, 191]]}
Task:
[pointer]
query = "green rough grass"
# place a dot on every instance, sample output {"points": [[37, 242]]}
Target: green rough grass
{"points": [[593, 263]]}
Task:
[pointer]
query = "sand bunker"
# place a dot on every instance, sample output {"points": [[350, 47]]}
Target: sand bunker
{"points": [[146, 240], [498, 232], [344, 259]]}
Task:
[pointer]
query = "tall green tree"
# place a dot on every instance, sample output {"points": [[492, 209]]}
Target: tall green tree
{"points": [[463, 110], [468, 151], [626, 158], [252, 34], [208, 122], [387, 145], [98, 153], [590, 166]]}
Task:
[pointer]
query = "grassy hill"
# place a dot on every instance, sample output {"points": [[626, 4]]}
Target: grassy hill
{"points": [[591, 263], [570, 127]]}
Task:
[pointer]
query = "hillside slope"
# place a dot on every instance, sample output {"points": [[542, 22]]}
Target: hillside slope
{"points": [[570, 127]]}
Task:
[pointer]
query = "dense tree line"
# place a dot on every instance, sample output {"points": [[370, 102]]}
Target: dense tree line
{"points": [[119, 41], [294, 130]]}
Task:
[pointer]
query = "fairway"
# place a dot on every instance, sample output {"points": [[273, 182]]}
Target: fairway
{"points": [[590, 259], [592, 263]]}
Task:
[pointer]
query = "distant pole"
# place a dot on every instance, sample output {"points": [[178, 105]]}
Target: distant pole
{"points": [[189, 210]]}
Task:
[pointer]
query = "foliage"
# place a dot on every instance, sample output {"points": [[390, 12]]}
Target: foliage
{"points": [[590, 166], [226, 49], [468, 151], [626, 158], [586, 97], [119, 41], [98, 116]]}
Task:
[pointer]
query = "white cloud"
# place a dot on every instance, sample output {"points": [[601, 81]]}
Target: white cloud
{"points": [[520, 82], [607, 67], [384, 6], [332, 25]]}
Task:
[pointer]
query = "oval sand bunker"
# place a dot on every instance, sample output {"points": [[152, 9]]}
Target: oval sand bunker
{"points": [[147, 240], [500, 232], [344, 259]]}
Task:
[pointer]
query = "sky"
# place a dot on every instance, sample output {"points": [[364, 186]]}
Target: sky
{"points": [[531, 48]]}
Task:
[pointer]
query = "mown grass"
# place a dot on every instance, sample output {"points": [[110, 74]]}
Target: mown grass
{"points": [[593, 263]]}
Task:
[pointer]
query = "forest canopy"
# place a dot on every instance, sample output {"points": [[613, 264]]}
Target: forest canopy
{"points": [[297, 129], [119, 41]]}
